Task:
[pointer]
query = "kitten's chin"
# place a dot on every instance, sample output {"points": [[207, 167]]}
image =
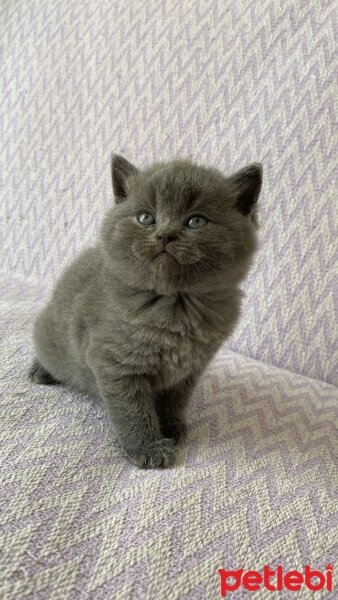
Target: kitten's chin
{"points": [[165, 272], [164, 259]]}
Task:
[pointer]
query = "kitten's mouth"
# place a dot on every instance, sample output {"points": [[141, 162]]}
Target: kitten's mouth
{"points": [[164, 255]]}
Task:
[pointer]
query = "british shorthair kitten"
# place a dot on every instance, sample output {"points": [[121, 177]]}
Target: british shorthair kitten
{"points": [[136, 319]]}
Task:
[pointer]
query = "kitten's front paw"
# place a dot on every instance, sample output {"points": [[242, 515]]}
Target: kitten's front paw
{"points": [[176, 431], [159, 453]]}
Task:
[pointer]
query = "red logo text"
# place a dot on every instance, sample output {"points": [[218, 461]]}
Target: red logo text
{"points": [[276, 579]]}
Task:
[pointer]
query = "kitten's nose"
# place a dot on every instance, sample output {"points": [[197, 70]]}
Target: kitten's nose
{"points": [[166, 237]]}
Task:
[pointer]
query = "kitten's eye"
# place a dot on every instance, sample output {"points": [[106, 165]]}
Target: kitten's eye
{"points": [[197, 222], [145, 218]]}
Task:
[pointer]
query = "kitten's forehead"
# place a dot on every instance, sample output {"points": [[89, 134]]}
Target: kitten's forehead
{"points": [[171, 197], [178, 189]]}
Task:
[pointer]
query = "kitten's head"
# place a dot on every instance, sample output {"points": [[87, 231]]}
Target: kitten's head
{"points": [[179, 226]]}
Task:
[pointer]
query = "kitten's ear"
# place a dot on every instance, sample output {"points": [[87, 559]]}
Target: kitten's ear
{"points": [[247, 183], [121, 170]]}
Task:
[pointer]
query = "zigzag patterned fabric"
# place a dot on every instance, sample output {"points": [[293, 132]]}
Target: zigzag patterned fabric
{"points": [[224, 83]]}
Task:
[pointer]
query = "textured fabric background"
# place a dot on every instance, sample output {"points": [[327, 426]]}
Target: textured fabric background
{"points": [[222, 82], [257, 480]]}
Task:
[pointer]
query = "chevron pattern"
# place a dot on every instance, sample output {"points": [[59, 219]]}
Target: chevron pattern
{"points": [[223, 83], [256, 482]]}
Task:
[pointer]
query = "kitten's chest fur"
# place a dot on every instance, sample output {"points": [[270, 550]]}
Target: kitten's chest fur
{"points": [[171, 337], [178, 361]]}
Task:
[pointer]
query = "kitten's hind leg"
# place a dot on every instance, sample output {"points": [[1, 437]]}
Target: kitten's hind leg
{"points": [[38, 374]]}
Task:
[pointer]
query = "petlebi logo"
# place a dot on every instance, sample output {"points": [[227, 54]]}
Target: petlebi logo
{"points": [[276, 580]]}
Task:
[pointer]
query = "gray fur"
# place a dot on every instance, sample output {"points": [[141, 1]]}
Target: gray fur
{"points": [[137, 330]]}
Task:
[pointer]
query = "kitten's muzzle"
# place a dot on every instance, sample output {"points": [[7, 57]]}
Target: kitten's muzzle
{"points": [[163, 247], [165, 238]]}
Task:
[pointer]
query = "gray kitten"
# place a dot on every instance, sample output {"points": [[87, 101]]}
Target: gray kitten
{"points": [[136, 319]]}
